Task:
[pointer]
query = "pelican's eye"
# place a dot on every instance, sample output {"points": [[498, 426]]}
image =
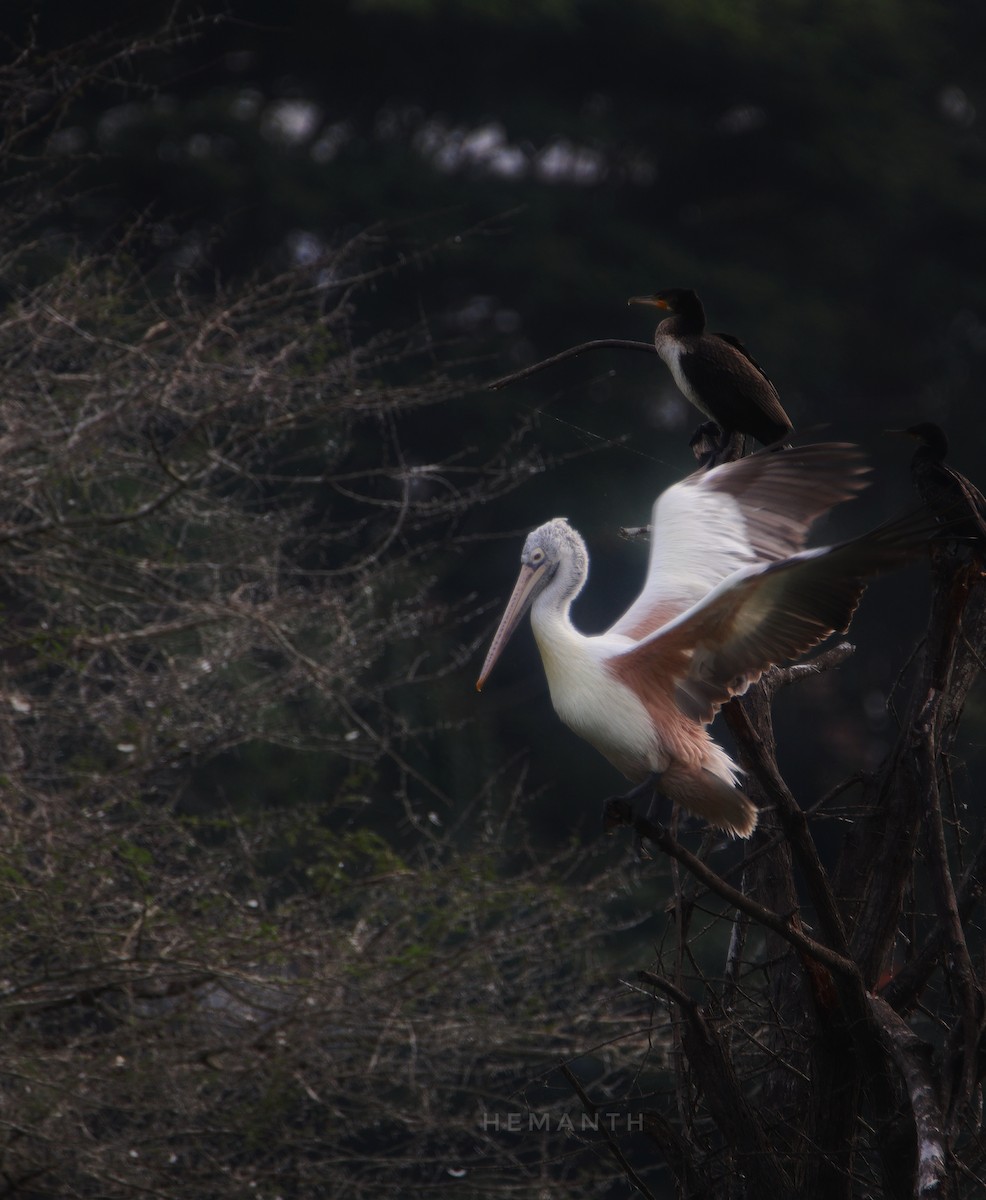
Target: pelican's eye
{"points": [[537, 557]]}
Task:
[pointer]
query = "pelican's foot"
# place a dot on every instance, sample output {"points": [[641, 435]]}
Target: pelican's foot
{"points": [[619, 811]]}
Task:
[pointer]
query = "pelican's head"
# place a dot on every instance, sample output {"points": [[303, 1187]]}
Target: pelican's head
{"points": [[553, 552]]}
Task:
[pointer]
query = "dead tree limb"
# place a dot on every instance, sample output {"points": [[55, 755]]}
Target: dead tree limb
{"points": [[709, 1059], [915, 1059]]}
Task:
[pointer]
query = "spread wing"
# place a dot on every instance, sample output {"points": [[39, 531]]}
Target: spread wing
{"points": [[763, 615], [752, 511]]}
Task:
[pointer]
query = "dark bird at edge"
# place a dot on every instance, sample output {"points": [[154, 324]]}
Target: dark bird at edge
{"points": [[956, 501], [715, 371]]}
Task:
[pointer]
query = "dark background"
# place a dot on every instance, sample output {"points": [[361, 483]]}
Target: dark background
{"points": [[815, 172]]}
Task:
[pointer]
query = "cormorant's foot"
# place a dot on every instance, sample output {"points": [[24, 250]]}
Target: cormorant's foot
{"points": [[705, 443], [731, 446], [713, 445]]}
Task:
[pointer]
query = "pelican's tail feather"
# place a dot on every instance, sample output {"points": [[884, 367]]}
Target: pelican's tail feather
{"points": [[711, 797]]}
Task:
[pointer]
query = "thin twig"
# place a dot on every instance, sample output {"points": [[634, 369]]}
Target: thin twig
{"points": [[599, 344], [792, 818], [715, 883], [592, 1109]]}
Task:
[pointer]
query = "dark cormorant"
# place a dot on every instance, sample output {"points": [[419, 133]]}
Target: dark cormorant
{"points": [[714, 370], [951, 497]]}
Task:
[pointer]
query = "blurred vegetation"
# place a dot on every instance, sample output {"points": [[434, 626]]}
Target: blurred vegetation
{"points": [[499, 177], [817, 174]]}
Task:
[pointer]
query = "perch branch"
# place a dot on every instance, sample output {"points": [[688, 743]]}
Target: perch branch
{"points": [[833, 657], [620, 813]]}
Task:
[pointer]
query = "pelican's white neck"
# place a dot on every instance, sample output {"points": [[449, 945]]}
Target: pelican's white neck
{"points": [[551, 612]]}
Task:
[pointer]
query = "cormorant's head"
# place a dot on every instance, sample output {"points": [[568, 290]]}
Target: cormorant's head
{"points": [[930, 435], [675, 300]]}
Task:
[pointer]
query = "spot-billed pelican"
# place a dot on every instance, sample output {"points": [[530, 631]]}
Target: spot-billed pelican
{"points": [[729, 591], [714, 370]]}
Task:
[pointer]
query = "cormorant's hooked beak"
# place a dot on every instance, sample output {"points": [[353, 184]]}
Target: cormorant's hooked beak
{"points": [[518, 604], [653, 301]]}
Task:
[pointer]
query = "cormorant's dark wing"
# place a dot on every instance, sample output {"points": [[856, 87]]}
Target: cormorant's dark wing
{"points": [[734, 389], [734, 341]]}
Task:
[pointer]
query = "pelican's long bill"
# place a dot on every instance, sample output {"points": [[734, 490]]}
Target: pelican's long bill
{"points": [[517, 605], [654, 301]]}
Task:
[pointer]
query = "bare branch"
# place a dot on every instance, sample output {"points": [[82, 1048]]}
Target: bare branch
{"points": [[914, 1058], [599, 344], [612, 1144], [780, 924]]}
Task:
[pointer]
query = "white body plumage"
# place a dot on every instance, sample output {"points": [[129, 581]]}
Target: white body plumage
{"points": [[592, 702], [729, 591], [671, 351]]}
